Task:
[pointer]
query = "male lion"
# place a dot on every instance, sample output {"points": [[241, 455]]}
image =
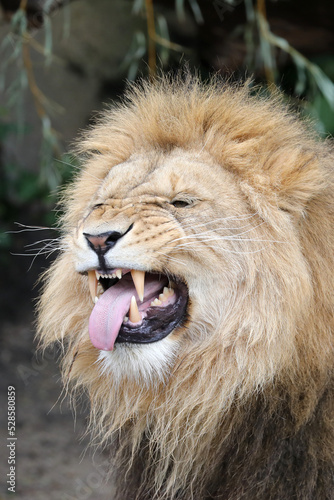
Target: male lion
{"points": [[194, 295]]}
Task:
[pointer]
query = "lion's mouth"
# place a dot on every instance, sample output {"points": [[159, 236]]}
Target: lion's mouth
{"points": [[134, 306]]}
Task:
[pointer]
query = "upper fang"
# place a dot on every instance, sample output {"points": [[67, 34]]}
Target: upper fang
{"points": [[92, 283], [138, 280]]}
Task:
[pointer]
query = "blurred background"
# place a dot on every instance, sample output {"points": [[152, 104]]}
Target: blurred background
{"points": [[60, 62]]}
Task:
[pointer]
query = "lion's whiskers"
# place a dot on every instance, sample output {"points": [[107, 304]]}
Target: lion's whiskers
{"points": [[49, 246], [78, 168], [213, 235], [49, 240], [27, 228], [194, 242], [188, 225], [172, 259], [209, 231]]}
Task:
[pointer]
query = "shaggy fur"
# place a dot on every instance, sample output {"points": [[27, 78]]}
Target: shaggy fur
{"points": [[237, 403]]}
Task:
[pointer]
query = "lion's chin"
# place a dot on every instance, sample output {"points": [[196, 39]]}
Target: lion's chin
{"points": [[147, 364], [129, 312]]}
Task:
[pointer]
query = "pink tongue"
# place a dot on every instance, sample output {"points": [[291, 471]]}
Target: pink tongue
{"points": [[107, 316]]}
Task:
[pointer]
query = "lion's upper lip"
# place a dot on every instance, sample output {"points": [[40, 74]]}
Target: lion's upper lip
{"points": [[140, 307]]}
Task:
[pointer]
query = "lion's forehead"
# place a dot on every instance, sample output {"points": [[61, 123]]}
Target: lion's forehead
{"points": [[164, 175]]}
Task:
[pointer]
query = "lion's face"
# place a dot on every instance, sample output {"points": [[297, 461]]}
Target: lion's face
{"points": [[175, 232]]}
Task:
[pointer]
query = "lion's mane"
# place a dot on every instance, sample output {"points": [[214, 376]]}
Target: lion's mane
{"points": [[244, 409]]}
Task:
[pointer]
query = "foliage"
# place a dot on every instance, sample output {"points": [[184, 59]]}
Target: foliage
{"points": [[20, 188], [312, 82]]}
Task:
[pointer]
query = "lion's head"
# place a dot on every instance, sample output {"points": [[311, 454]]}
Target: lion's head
{"points": [[194, 278]]}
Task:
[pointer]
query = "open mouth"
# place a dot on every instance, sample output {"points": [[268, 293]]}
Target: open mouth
{"points": [[134, 307]]}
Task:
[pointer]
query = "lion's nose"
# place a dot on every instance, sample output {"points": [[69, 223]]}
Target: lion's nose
{"points": [[103, 242]]}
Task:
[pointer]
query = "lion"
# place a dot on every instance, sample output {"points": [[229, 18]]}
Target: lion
{"points": [[193, 296]]}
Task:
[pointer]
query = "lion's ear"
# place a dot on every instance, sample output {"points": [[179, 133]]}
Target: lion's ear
{"points": [[289, 179], [296, 177]]}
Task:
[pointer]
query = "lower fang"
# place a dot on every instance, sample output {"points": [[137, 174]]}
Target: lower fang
{"points": [[134, 314]]}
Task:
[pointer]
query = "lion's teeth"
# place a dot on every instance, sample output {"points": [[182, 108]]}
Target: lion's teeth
{"points": [[92, 284], [138, 280], [96, 299], [156, 302], [117, 274], [134, 314], [167, 292], [125, 319]]}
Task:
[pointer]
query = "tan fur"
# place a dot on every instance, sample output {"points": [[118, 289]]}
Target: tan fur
{"points": [[256, 252]]}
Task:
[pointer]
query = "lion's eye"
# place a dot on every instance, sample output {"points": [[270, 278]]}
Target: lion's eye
{"points": [[180, 203]]}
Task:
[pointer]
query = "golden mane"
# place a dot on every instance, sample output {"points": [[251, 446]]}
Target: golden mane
{"points": [[244, 407]]}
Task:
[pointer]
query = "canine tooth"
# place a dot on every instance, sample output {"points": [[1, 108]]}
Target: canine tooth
{"points": [[119, 273], [134, 314], [156, 302], [138, 280], [92, 284]]}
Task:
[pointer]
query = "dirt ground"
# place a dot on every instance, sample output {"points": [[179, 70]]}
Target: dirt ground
{"points": [[52, 459]]}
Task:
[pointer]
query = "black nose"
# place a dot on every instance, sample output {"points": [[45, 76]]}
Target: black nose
{"points": [[103, 242]]}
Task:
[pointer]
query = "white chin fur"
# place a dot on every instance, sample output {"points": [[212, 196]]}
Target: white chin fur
{"points": [[144, 363]]}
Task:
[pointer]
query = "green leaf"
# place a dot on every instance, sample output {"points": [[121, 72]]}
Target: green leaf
{"points": [[162, 30], [180, 11], [138, 6], [321, 79], [196, 11]]}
